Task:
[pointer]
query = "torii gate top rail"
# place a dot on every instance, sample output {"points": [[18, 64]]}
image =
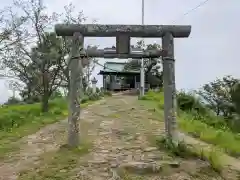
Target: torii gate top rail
{"points": [[100, 30]]}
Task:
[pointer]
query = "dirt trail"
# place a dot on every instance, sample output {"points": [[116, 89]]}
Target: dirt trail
{"points": [[120, 129]]}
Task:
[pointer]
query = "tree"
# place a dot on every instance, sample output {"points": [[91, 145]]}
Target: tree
{"points": [[88, 63], [12, 101], [217, 95], [7, 30], [38, 66], [88, 67], [235, 95], [48, 58], [39, 58], [152, 66]]}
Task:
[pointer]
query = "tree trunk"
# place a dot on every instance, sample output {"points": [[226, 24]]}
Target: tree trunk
{"points": [[45, 96], [45, 105]]}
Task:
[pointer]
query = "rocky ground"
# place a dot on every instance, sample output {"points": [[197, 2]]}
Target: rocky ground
{"points": [[120, 133]]}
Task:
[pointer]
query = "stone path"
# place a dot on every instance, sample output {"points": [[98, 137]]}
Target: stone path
{"points": [[121, 132], [49, 138]]}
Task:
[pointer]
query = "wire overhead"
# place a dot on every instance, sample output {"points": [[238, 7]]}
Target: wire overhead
{"points": [[193, 9], [186, 13]]}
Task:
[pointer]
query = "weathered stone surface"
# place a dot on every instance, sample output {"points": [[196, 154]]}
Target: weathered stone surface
{"points": [[104, 151], [154, 157], [145, 167], [141, 167], [149, 149], [129, 138], [173, 164], [101, 30], [114, 165], [123, 44], [169, 85], [97, 162], [132, 147]]}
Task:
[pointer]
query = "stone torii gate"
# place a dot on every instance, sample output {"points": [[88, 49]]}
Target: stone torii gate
{"points": [[123, 33]]}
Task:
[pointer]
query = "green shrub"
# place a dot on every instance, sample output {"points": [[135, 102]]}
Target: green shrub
{"points": [[18, 115], [107, 93], [13, 100], [176, 148], [88, 91], [154, 96], [225, 139], [94, 97], [85, 99], [98, 90], [207, 127], [188, 102]]}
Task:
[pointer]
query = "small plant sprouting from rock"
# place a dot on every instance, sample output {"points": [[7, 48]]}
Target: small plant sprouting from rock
{"points": [[181, 149], [176, 148]]}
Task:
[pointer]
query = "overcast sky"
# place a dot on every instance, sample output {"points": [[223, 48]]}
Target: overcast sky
{"points": [[211, 51]]}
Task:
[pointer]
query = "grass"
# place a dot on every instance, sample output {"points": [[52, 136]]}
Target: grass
{"points": [[224, 139], [124, 175], [58, 165], [183, 150], [17, 121]]}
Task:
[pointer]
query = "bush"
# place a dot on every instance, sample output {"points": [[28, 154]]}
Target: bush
{"points": [[101, 93], [204, 125], [94, 97], [154, 96], [85, 99], [88, 91], [98, 90], [107, 93], [18, 115], [188, 102], [13, 100]]}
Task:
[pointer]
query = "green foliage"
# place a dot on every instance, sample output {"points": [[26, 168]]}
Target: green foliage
{"points": [[56, 94], [221, 137], [176, 148], [13, 100], [235, 94], [183, 150], [189, 102], [98, 90], [89, 95], [152, 66], [155, 96], [17, 121], [107, 93], [207, 126], [13, 116], [94, 96], [88, 91], [85, 99], [218, 96]]}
